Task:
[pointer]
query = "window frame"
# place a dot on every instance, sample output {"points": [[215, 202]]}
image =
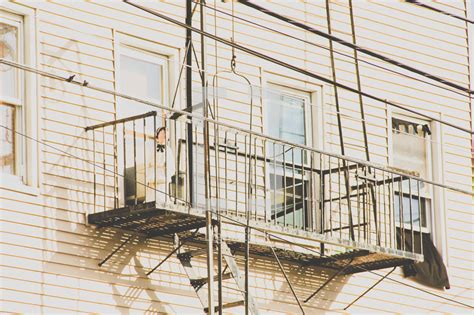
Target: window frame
{"points": [[309, 117], [426, 194], [143, 54], [26, 180]]}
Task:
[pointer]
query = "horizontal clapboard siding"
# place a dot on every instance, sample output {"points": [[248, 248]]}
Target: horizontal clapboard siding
{"points": [[49, 253]]}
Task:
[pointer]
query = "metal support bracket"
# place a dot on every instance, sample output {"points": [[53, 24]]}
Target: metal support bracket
{"points": [[373, 286], [116, 250], [172, 252], [337, 273], [287, 280]]}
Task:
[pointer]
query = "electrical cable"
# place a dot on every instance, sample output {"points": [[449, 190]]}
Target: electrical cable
{"points": [[86, 84], [418, 3], [337, 52], [352, 46], [294, 68], [227, 217]]}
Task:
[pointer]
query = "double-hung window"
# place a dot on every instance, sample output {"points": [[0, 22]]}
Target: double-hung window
{"points": [[288, 117], [412, 151], [11, 96], [143, 75]]}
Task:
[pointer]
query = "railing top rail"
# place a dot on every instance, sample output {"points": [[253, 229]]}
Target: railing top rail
{"points": [[122, 120]]}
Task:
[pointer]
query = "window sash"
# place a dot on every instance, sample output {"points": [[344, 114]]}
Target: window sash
{"points": [[150, 57], [17, 22]]}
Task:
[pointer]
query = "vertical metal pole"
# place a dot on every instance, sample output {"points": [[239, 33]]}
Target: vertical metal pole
{"points": [[189, 101], [95, 174], [339, 124], [210, 262], [210, 270]]}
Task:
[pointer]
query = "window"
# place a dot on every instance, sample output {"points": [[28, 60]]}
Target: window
{"points": [[411, 151], [288, 117], [143, 75], [11, 96]]}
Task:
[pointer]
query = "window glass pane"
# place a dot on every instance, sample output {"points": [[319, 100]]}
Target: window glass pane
{"points": [[286, 117], [142, 79], [9, 51], [7, 139], [403, 213]]}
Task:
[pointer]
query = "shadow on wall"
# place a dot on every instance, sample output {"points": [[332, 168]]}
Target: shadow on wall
{"points": [[71, 250], [305, 281]]}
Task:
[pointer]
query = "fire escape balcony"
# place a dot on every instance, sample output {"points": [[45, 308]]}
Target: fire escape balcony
{"points": [[150, 178]]}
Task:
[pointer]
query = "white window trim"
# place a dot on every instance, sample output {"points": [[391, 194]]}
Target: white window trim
{"points": [[314, 121], [28, 180], [437, 216]]}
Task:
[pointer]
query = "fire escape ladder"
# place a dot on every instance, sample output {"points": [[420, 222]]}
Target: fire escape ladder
{"points": [[198, 282]]}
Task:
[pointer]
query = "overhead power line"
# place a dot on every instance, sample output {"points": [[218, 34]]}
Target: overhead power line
{"points": [[296, 69], [418, 3], [87, 85], [335, 51], [352, 46]]}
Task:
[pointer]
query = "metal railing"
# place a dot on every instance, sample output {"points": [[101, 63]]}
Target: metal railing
{"points": [[144, 158]]}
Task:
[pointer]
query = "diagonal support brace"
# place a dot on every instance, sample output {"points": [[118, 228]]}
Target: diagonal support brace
{"points": [[116, 250], [172, 252], [337, 273], [287, 280], [368, 290]]}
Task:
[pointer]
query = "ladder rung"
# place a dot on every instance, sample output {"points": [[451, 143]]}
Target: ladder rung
{"points": [[227, 305], [202, 281]]}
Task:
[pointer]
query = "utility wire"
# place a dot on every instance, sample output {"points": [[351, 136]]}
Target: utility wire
{"points": [[294, 68], [86, 84], [418, 3], [352, 46], [237, 222], [337, 52]]}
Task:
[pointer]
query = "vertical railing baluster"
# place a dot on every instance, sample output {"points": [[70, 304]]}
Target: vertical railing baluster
{"points": [[246, 187], [367, 228], [419, 211], [284, 186], [154, 158], [105, 168], [274, 185], [358, 202], [294, 184], [411, 216], [330, 190], [265, 184], [391, 211], [135, 161], [144, 158], [125, 182], [339, 194], [375, 207], [95, 171], [255, 176], [236, 176], [400, 210], [384, 208], [115, 174], [321, 195], [225, 171], [303, 195]]}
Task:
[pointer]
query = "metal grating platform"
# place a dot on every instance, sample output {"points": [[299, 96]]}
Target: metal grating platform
{"points": [[147, 219], [150, 220]]}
